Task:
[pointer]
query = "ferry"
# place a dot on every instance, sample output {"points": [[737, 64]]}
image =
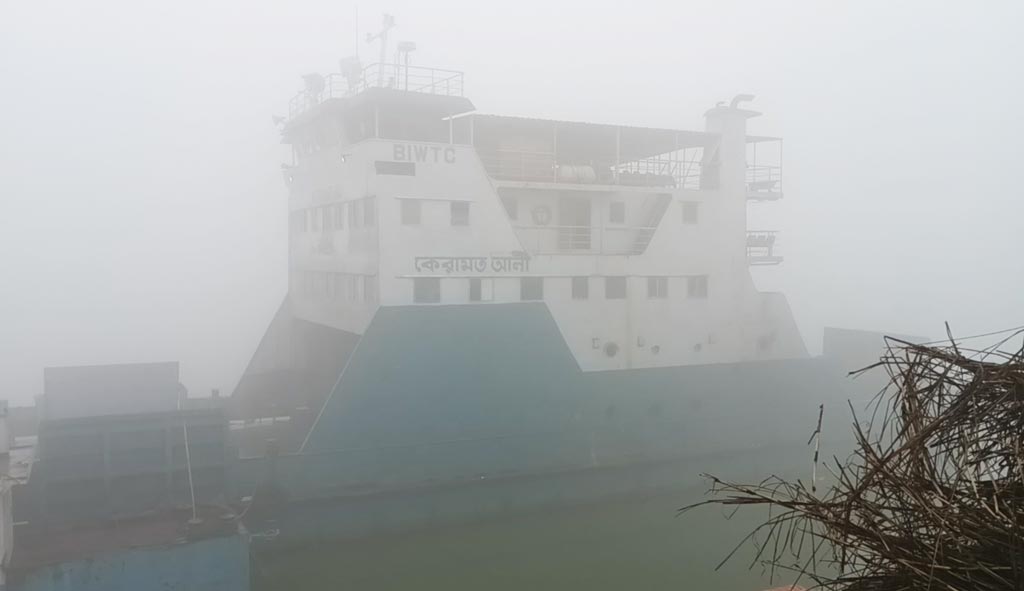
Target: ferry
{"points": [[483, 299]]}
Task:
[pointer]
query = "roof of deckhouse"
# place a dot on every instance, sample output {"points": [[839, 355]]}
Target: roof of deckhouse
{"points": [[577, 136]]}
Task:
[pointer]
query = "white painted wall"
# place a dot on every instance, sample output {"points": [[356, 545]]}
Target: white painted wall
{"points": [[733, 323]]}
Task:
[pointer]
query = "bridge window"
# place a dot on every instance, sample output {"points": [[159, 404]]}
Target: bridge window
{"points": [[697, 286], [353, 287], [395, 168], [339, 216], [657, 287], [328, 217], [531, 288], [370, 211], [411, 212], [690, 212], [370, 288], [615, 288], [426, 290], [354, 214], [460, 213], [580, 288], [617, 213]]}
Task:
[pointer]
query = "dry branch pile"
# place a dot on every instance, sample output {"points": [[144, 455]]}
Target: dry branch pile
{"points": [[932, 498]]}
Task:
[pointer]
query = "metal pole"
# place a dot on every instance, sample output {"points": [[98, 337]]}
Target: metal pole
{"points": [[618, 153], [188, 465], [554, 150], [780, 167]]}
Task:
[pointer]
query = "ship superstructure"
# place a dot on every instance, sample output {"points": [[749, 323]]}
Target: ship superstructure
{"points": [[495, 296], [634, 238]]}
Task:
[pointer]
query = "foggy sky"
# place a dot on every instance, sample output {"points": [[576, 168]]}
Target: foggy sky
{"points": [[144, 215]]}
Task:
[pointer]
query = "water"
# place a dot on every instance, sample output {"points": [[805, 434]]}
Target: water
{"points": [[636, 543]]}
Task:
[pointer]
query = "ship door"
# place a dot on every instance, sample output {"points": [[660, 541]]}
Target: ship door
{"points": [[573, 223]]}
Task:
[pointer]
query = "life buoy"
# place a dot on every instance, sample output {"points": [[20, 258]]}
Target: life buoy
{"points": [[541, 215]]}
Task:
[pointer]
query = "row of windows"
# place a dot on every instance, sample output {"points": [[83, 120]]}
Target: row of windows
{"points": [[327, 218], [412, 212], [427, 290], [363, 213], [616, 210], [339, 286]]}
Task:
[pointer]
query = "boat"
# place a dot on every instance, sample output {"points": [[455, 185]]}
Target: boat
{"points": [[489, 313]]}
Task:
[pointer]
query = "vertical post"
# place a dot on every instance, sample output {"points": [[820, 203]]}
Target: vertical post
{"points": [[107, 467], [188, 466], [675, 166], [752, 175], [780, 167], [554, 151], [376, 121], [618, 153]]}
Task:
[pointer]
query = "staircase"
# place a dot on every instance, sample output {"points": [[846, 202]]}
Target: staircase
{"points": [[646, 232]]}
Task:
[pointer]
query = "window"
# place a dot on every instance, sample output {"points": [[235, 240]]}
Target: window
{"points": [[353, 288], [690, 211], [531, 288], [615, 288], [511, 203], [481, 290], [370, 211], [395, 168], [460, 213], [657, 287], [411, 210], [339, 216], [697, 286], [314, 219], [370, 288], [617, 212], [426, 290], [353, 214], [580, 288], [328, 217]]}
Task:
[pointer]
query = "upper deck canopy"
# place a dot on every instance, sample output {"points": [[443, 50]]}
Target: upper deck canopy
{"points": [[584, 141]]}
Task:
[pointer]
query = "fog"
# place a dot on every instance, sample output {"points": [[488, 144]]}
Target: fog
{"points": [[145, 217]]}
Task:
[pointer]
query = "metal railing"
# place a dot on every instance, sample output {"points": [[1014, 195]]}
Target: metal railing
{"points": [[613, 240], [761, 246], [394, 76], [520, 165], [660, 172], [764, 182]]}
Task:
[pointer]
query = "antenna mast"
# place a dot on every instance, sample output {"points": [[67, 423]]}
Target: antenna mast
{"points": [[387, 25]]}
